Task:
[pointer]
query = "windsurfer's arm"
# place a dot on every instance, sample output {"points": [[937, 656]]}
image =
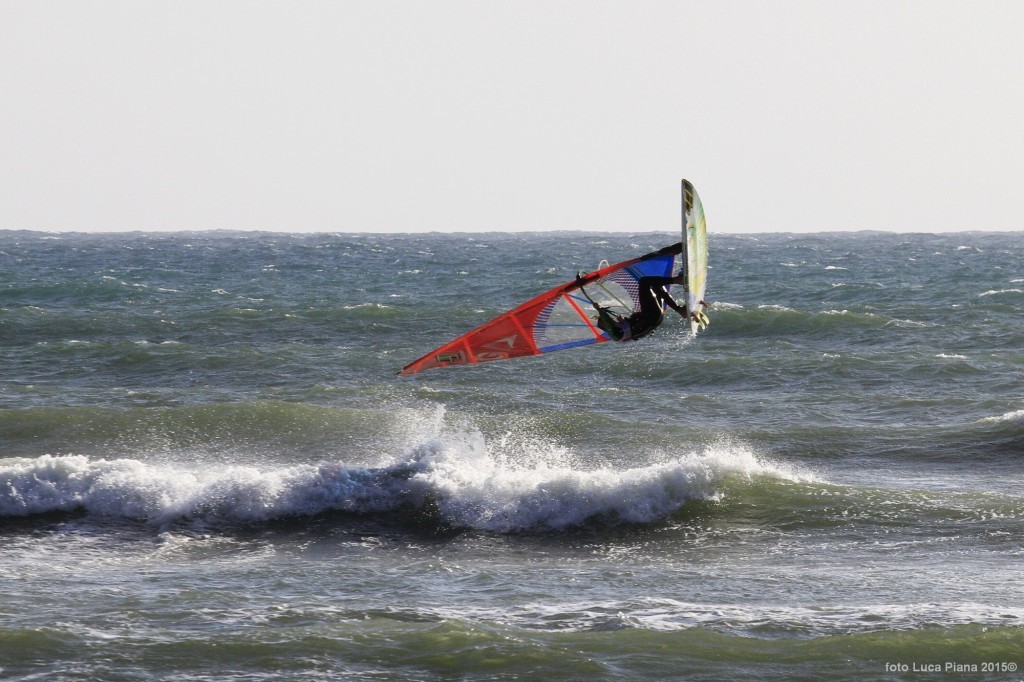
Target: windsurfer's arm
{"points": [[681, 309], [667, 299]]}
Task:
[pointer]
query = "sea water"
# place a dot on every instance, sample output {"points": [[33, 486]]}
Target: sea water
{"points": [[209, 470]]}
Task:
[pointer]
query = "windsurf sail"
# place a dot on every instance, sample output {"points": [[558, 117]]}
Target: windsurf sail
{"points": [[582, 312], [564, 317]]}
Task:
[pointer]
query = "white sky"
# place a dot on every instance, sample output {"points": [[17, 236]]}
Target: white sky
{"points": [[386, 116]]}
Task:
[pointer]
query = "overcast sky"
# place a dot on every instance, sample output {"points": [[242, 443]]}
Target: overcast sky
{"points": [[409, 116]]}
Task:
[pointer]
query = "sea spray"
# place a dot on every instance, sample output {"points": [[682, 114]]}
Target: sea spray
{"points": [[513, 486]]}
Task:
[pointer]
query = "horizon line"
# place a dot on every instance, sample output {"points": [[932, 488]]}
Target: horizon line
{"points": [[233, 230]]}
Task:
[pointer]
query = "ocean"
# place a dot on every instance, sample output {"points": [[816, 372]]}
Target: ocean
{"points": [[209, 469]]}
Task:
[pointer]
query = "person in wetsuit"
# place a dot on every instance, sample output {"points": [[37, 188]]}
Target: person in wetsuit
{"points": [[653, 299]]}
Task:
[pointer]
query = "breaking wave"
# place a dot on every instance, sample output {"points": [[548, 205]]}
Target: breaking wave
{"points": [[467, 482]]}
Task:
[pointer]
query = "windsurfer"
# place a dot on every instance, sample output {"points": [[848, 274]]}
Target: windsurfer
{"points": [[653, 299]]}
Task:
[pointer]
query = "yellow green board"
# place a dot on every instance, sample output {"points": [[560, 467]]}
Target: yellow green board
{"points": [[695, 250]]}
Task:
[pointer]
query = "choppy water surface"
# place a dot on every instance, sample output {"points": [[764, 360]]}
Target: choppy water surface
{"points": [[209, 470]]}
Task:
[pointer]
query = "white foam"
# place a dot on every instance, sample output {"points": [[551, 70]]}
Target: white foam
{"points": [[508, 484], [521, 485], [667, 614], [1016, 415], [131, 489]]}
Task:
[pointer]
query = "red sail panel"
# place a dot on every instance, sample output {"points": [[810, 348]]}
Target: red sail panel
{"points": [[509, 335]]}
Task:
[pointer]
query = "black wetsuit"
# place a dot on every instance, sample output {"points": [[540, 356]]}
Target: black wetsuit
{"points": [[653, 298]]}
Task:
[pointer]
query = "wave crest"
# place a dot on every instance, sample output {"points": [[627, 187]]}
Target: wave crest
{"points": [[467, 483]]}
